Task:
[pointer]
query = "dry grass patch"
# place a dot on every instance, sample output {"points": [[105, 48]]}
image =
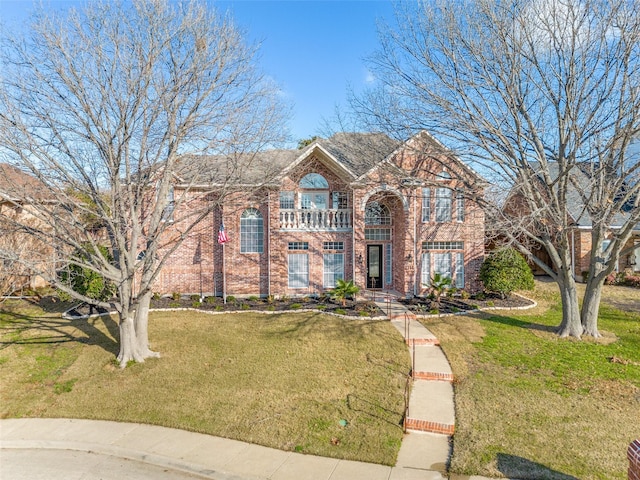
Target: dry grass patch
{"points": [[530, 405], [285, 381]]}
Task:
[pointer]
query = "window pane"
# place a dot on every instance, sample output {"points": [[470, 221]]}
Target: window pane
{"points": [[426, 204], [442, 264], [314, 180], [388, 273], [333, 269], [459, 270], [377, 234], [298, 270], [377, 214], [460, 206], [443, 205], [251, 231], [425, 274], [339, 200], [286, 200]]}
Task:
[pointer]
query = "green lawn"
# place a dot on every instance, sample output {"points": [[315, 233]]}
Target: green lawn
{"points": [[284, 380], [533, 406]]}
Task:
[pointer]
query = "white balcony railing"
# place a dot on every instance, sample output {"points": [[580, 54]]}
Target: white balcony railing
{"points": [[303, 219]]}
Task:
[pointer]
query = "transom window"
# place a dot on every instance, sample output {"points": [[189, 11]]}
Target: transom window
{"points": [[380, 234], [251, 231], [333, 245], [444, 175], [442, 245], [377, 214], [298, 245]]}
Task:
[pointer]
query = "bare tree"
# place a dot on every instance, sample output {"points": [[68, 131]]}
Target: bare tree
{"points": [[103, 105], [539, 95]]}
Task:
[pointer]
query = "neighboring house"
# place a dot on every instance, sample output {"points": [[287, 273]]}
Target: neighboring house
{"points": [[18, 191], [580, 236], [359, 207]]}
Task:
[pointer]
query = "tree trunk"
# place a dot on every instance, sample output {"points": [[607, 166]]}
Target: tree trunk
{"points": [[570, 325], [141, 327], [129, 350], [591, 306]]}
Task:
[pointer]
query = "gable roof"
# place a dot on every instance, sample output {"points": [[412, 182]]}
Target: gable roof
{"points": [[354, 155]]}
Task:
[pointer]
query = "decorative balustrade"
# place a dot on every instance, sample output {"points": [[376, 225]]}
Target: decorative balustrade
{"points": [[306, 219]]}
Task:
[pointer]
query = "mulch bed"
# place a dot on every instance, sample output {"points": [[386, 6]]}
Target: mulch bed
{"points": [[426, 306]]}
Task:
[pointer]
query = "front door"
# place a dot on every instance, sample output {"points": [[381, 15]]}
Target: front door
{"points": [[374, 266]]}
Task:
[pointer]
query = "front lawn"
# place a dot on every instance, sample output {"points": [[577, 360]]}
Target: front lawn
{"points": [[282, 380], [530, 405]]}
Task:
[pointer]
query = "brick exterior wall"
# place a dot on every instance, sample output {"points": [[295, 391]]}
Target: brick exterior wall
{"points": [[197, 265], [633, 454]]}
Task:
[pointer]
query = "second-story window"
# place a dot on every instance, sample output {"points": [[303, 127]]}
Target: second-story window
{"points": [[443, 204], [314, 194], [377, 214], [286, 200], [340, 201], [460, 205]]}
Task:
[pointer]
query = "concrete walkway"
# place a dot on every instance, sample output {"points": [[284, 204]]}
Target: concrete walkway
{"points": [[178, 454], [430, 416]]}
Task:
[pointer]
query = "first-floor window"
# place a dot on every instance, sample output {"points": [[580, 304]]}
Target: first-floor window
{"points": [[425, 273], [251, 231], [442, 264], [459, 280], [298, 270], [333, 269]]}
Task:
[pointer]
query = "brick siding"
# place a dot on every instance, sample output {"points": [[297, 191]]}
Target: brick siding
{"points": [[197, 265]]}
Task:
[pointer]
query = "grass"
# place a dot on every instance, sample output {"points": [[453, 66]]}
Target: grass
{"points": [[530, 405], [284, 381]]}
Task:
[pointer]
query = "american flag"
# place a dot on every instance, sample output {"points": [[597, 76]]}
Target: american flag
{"points": [[222, 235]]}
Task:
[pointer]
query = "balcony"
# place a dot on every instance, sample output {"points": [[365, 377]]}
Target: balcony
{"points": [[308, 219]]}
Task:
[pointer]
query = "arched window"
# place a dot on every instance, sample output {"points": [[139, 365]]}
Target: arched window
{"points": [[444, 175], [314, 181], [377, 214], [318, 198], [251, 231]]}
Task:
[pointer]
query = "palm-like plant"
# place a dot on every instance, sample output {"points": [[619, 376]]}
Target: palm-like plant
{"points": [[439, 284], [344, 289]]}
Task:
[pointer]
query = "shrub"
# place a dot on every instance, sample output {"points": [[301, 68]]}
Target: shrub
{"points": [[194, 298], [253, 298], [321, 307], [218, 308], [340, 311], [196, 304], [84, 280], [245, 306], [155, 296], [295, 306], [504, 271], [364, 313], [175, 296], [210, 300], [231, 299], [174, 304], [464, 295]]}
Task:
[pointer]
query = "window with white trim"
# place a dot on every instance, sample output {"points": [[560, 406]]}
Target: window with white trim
{"points": [[377, 214], [426, 204], [298, 246], [425, 272], [251, 231], [333, 245], [443, 204], [298, 270], [287, 200], [459, 278], [460, 205], [333, 269], [442, 264], [378, 234], [339, 200]]}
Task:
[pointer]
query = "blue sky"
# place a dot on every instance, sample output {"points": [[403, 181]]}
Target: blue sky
{"points": [[313, 49]]}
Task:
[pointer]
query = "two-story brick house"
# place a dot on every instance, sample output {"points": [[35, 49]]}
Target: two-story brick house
{"points": [[386, 214]]}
